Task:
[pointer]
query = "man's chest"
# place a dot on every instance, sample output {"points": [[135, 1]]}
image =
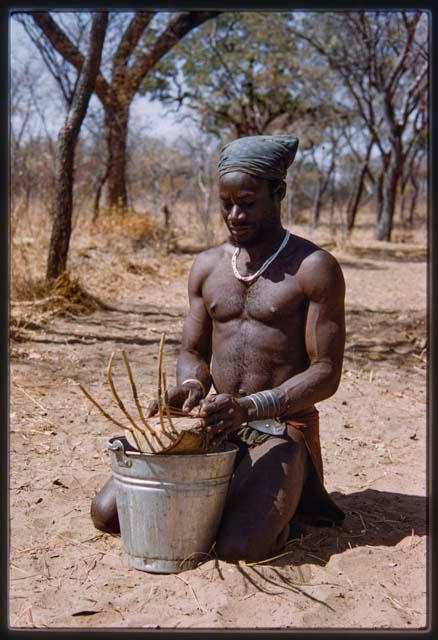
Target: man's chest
{"points": [[272, 299]]}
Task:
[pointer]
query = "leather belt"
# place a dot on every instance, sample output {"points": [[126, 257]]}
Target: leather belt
{"points": [[273, 427]]}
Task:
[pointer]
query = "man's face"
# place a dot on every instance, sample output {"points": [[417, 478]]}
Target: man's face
{"points": [[248, 207]]}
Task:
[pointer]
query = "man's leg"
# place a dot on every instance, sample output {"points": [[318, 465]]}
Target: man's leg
{"points": [[104, 509], [264, 494]]}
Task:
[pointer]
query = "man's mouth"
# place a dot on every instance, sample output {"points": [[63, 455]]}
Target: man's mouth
{"points": [[240, 230]]}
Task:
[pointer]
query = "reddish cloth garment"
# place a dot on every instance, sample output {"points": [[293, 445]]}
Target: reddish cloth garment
{"points": [[308, 425], [316, 506]]}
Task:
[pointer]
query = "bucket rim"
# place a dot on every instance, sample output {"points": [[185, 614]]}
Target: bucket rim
{"points": [[232, 448]]}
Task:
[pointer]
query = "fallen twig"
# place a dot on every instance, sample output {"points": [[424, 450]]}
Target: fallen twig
{"points": [[38, 404], [192, 590]]}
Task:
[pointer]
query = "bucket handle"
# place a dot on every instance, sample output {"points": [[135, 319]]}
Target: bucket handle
{"points": [[119, 450]]}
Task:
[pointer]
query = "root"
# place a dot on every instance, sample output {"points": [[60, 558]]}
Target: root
{"points": [[107, 415], [149, 428], [159, 387], [166, 404], [122, 406]]}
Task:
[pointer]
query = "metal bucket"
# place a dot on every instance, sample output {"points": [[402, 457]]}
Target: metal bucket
{"points": [[169, 506]]}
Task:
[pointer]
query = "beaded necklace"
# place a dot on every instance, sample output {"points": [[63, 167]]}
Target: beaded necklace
{"points": [[265, 265]]}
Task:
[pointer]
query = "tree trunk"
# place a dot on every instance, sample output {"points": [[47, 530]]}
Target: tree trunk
{"points": [[316, 210], [401, 210], [379, 194], [353, 203], [392, 175], [63, 205], [413, 198], [101, 179], [167, 214], [67, 139], [116, 132]]}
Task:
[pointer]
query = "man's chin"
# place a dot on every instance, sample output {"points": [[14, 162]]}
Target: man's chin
{"points": [[243, 242]]}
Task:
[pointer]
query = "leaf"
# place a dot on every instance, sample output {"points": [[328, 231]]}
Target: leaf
{"points": [[58, 483], [87, 612]]}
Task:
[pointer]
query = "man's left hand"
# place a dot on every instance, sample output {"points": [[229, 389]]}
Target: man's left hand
{"points": [[221, 414]]}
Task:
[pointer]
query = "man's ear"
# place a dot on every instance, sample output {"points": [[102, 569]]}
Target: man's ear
{"points": [[280, 191]]}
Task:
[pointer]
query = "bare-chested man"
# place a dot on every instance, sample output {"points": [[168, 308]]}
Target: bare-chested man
{"points": [[269, 336]]}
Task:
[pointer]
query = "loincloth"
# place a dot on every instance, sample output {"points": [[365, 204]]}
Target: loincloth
{"points": [[316, 507]]}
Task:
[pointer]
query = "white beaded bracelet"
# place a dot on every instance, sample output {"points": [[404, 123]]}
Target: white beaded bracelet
{"points": [[198, 381]]}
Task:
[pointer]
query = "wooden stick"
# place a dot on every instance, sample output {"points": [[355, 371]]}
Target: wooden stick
{"points": [[177, 412], [159, 388], [122, 406], [137, 402], [38, 404], [107, 415], [166, 404], [192, 590]]}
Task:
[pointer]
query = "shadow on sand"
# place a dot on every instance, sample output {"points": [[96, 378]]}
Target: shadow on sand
{"points": [[373, 518]]}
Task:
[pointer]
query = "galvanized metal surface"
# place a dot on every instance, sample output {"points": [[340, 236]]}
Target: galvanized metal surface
{"points": [[169, 506]]}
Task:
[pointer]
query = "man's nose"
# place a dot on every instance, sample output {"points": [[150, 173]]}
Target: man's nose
{"points": [[236, 214]]}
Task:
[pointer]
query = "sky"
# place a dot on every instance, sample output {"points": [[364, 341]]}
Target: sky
{"points": [[150, 115]]}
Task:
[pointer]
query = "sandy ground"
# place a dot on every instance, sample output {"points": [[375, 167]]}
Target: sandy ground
{"points": [[371, 573]]}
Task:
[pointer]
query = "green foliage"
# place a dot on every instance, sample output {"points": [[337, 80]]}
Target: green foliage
{"points": [[239, 72]]}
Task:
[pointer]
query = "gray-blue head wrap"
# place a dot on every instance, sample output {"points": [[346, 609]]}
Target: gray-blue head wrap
{"points": [[263, 156]]}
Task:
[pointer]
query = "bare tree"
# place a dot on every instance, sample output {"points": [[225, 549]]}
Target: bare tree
{"points": [[131, 62], [67, 139], [382, 58]]}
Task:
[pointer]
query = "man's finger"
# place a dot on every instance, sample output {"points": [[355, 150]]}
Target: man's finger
{"points": [[192, 400], [213, 404], [217, 439], [219, 421]]}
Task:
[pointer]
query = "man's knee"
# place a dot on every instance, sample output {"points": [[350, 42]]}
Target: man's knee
{"points": [[250, 548], [104, 509]]}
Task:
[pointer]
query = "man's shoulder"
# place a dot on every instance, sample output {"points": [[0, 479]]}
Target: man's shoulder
{"points": [[317, 267], [210, 256], [206, 260], [312, 255]]}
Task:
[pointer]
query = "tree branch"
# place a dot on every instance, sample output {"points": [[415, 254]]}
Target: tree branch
{"points": [[88, 73], [62, 43], [127, 44], [182, 24]]}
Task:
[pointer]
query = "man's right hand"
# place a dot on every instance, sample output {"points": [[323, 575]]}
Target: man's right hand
{"points": [[184, 396]]}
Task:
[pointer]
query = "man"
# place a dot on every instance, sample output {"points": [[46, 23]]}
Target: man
{"points": [[266, 329]]}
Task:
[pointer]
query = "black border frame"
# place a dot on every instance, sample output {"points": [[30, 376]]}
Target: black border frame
{"points": [[431, 631]]}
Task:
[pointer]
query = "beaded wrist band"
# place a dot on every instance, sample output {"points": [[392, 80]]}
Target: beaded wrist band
{"points": [[198, 381], [266, 403]]}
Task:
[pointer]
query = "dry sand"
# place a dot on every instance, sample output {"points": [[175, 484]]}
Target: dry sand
{"points": [[371, 573]]}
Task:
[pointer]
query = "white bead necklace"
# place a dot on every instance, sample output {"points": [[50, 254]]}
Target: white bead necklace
{"points": [[264, 266]]}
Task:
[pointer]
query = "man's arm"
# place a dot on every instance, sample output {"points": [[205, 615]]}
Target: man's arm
{"points": [[193, 378], [324, 286], [193, 362]]}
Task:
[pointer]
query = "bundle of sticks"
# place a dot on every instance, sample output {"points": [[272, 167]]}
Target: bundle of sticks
{"points": [[171, 431]]}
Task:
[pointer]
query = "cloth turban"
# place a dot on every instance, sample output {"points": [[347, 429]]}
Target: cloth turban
{"points": [[263, 156]]}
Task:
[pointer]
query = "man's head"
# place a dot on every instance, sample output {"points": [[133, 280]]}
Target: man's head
{"points": [[251, 184]]}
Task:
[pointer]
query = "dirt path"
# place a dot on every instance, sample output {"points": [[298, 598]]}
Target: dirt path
{"points": [[64, 573]]}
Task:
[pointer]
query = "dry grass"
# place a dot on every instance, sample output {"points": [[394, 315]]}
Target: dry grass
{"points": [[140, 228], [41, 302], [124, 250]]}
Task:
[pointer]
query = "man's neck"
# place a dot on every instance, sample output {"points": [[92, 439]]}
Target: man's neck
{"points": [[266, 247]]}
